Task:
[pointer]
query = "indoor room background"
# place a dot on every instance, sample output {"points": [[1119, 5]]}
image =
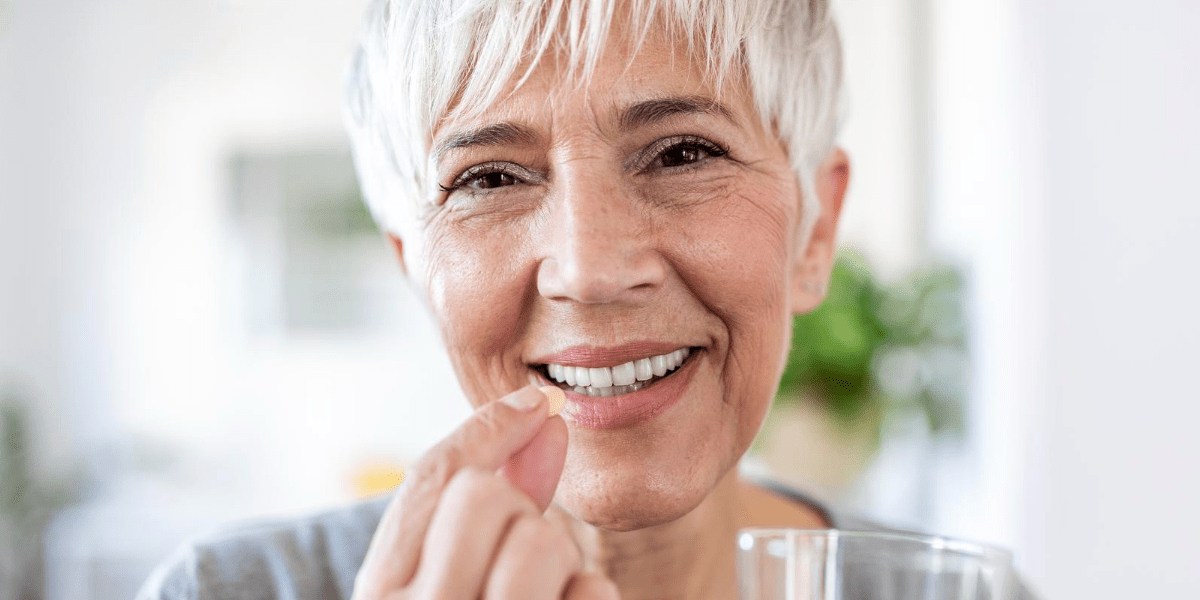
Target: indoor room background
{"points": [[192, 294]]}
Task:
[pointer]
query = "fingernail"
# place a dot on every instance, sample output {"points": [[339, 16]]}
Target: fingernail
{"points": [[555, 398], [526, 398]]}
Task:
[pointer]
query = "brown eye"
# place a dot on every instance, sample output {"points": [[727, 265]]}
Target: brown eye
{"points": [[495, 179], [681, 155], [685, 151], [490, 176]]}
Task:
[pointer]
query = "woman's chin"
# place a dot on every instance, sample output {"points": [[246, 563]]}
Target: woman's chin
{"points": [[612, 514], [620, 501]]}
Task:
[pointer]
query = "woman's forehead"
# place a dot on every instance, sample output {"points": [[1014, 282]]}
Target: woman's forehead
{"points": [[630, 86]]}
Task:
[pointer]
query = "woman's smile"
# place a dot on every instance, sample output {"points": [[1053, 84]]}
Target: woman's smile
{"points": [[617, 386]]}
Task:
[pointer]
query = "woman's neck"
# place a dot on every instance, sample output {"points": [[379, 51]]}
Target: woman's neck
{"points": [[693, 556]]}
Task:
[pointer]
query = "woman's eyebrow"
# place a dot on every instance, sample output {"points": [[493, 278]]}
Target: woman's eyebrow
{"points": [[648, 112], [638, 114], [496, 134]]}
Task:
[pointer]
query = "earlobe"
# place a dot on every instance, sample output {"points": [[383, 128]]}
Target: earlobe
{"points": [[810, 275], [836, 178], [398, 248], [809, 285]]}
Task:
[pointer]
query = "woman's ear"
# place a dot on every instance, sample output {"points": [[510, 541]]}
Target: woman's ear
{"points": [[398, 248], [814, 263]]}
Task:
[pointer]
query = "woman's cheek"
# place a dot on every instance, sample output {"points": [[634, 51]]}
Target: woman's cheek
{"points": [[480, 286], [741, 257], [735, 249]]}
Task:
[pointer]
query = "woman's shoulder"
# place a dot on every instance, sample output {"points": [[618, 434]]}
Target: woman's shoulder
{"points": [[316, 556]]}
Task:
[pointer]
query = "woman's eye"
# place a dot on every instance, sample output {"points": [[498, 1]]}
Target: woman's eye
{"points": [[487, 181], [489, 176], [682, 154]]}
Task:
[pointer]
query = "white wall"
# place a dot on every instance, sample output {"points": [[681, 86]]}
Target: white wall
{"points": [[883, 213], [985, 212], [1068, 140], [1118, 479]]}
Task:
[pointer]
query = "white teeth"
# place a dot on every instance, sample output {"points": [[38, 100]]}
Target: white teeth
{"points": [[621, 379], [659, 365], [600, 377], [642, 369], [624, 374]]}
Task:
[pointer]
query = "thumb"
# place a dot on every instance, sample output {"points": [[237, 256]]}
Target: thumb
{"points": [[536, 468]]}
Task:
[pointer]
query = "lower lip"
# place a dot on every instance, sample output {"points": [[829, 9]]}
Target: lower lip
{"points": [[598, 412]]}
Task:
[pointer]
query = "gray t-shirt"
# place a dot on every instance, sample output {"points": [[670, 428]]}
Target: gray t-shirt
{"points": [[317, 557]]}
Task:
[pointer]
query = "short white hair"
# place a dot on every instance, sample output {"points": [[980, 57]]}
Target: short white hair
{"points": [[415, 59]]}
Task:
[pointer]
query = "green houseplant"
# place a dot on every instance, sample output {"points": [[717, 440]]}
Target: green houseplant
{"points": [[873, 350]]}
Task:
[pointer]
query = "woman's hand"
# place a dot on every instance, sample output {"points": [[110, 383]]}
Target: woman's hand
{"points": [[468, 522]]}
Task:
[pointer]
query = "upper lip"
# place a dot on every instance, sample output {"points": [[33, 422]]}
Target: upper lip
{"points": [[607, 356]]}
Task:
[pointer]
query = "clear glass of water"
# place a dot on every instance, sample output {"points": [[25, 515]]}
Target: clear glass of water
{"points": [[828, 564]]}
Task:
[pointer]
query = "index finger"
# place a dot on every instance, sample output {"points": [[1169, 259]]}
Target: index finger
{"points": [[485, 441]]}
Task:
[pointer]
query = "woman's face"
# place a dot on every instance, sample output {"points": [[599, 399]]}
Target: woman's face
{"points": [[599, 225]]}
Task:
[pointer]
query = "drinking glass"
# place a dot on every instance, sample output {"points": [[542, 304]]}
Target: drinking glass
{"points": [[828, 564]]}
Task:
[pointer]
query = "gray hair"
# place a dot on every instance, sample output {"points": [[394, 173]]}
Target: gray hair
{"points": [[415, 58]]}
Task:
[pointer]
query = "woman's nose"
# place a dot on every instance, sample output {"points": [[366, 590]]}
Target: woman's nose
{"points": [[600, 248]]}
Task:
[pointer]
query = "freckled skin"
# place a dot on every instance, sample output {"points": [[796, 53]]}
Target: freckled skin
{"points": [[598, 252]]}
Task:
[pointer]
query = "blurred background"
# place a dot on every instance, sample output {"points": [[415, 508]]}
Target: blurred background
{"points": [[199, 323]]}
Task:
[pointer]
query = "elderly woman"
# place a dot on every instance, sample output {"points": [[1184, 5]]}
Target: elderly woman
{"points": [[627, 201]]}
